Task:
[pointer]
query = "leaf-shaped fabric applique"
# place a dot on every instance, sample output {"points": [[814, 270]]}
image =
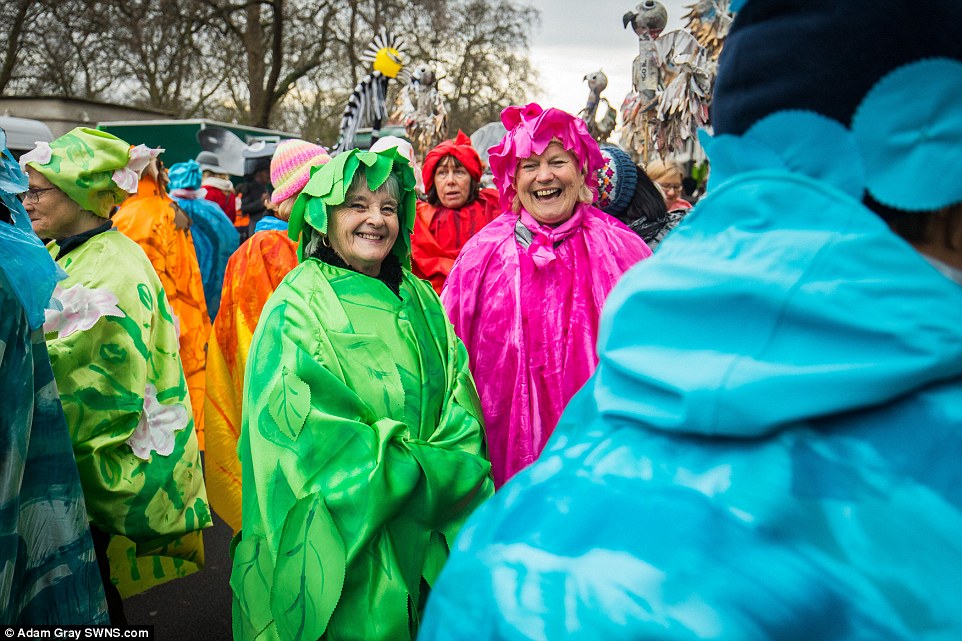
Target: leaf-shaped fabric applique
{"points": [[289, 404], [309, 571], [251, 578]]}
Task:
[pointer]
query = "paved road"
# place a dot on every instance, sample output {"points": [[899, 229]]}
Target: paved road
{"points": [[195, 607]]}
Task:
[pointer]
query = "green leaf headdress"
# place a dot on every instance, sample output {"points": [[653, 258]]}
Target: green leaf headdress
{"points": [[327, 189]]}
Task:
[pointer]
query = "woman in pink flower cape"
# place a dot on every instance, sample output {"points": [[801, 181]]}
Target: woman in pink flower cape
{"points": [[114, 351], [526, 292]]}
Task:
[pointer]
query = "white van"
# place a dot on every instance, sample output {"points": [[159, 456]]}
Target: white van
{"points": [[23, 134]]}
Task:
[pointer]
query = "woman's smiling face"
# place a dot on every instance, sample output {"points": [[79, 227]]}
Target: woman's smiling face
{"points": [[548, 184], [363, 230]]}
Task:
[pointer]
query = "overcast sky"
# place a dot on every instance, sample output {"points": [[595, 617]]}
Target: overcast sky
{"points": [[577, 37]]}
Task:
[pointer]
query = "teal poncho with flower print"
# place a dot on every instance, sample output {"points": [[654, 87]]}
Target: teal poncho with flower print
{"points": [[362, 454], [113, 347]]}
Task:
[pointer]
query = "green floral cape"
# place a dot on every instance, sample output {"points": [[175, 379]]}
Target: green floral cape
{"points": [[362, 454], [114, 350]]}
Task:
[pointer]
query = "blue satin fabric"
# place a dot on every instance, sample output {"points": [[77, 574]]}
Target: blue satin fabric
{"points": [[270, 222], [215, 240], [773, 454], [23, 258]]}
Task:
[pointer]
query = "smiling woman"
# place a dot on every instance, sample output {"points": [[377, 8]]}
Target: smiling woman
{"points": [[361, 446], [362, 231], [550, 184], [526, 292]]}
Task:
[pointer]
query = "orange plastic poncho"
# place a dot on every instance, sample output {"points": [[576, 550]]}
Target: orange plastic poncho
{"points": [[148, 219], [253, 273]]}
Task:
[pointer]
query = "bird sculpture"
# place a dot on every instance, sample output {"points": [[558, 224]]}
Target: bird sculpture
{"points": [[672, 78], [420, 107], [599, 128], [368, 102]]}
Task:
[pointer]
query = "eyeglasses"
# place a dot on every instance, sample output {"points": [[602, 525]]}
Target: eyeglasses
{"points": [[670, 187], [33, 195]]}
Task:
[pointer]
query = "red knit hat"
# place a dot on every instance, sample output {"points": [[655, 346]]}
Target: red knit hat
{"points": [[461, 149]]}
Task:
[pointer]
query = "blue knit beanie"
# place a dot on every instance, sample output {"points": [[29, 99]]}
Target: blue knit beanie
{"points": [[616, 181]]}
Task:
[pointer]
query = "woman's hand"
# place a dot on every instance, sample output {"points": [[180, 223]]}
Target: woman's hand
{"points": [[181, 219]]}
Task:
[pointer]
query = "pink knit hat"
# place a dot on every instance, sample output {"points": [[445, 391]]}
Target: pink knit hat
{"points": [[291, 167]]}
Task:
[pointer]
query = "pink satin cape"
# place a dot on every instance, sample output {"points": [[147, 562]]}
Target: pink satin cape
{"points": [[529, 319]]}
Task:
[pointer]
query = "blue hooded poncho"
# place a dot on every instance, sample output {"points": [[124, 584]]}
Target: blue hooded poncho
{"points": [[215, 237], [771, 446]]}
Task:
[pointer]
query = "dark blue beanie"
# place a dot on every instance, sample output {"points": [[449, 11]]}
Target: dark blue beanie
{"points": [[823, 55]]}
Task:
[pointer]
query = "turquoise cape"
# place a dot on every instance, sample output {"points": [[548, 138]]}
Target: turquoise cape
{"points": [[48, 573], [774, 454]]}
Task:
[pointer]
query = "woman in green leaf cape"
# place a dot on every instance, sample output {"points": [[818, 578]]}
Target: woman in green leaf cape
{"points": [[113, 347], [362, 445]]}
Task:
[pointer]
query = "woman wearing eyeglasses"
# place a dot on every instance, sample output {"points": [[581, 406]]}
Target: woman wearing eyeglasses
{"points": [[113, 347], [667, 174]]}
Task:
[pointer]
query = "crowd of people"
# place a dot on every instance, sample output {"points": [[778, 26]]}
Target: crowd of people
{"points": [[571, 406]]}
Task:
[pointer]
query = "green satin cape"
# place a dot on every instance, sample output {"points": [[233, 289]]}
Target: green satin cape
{"points": [[362, 455]]}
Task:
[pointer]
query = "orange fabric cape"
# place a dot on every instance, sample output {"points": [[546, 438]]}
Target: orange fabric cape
{"points": [[440, 233], [253, 273], [148, 219]]}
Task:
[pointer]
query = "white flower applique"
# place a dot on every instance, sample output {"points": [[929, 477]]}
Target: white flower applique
{"points": [[128, 177], [155, 431], [78, 308], [41, 154]]}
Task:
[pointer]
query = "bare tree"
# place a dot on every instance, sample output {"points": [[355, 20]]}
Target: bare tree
{"points": [[479, 49], [67, 54], [270, 63], [282, 41], [15, 30], [171, 51], [487, 61]]}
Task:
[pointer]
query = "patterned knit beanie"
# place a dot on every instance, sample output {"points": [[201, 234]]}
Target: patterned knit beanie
{"points": [[616, 181], [291, 167], [812, 80]]}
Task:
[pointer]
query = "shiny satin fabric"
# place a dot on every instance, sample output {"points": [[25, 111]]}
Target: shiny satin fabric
{"points": [[43, 519], [253, 273], [440, 233], [147, 218], [529, 319], [769, 448], [113, 349], [215, 240], [362, 451]]}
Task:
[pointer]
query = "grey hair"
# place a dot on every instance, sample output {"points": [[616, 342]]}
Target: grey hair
{"points": [[313, 241]]}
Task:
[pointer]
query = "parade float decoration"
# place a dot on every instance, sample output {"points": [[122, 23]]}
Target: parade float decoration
{"points": [[600, 125], [709, 21], [367, 105], [420, 107], [672, 76]]}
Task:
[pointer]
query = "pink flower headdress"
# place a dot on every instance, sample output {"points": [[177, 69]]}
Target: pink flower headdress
{"points": [[530, 130]]}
